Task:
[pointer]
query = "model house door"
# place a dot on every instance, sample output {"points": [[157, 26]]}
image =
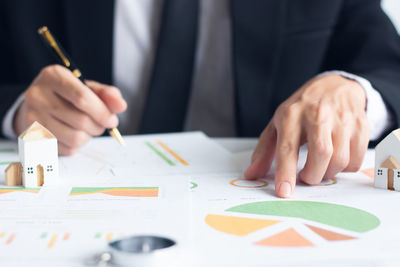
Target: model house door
{"points": [[390, 179], [40, 175]]}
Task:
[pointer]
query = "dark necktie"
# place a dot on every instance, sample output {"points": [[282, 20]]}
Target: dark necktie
{"points": [[171, 81]]}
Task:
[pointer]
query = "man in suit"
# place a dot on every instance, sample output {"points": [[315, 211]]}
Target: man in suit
{"points": [[325, 73]]}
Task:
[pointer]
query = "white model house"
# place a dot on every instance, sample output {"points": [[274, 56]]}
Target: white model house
{"points": [[38, 155], [387, 162]]}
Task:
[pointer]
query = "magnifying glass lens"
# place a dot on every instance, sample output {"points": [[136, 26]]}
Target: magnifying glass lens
{"points": [[142, 244]]}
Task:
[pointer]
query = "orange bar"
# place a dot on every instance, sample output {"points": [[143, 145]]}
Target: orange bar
{"points": [[181, 160], [66, 236], [52, 241], [10, 239], [132, 192]]}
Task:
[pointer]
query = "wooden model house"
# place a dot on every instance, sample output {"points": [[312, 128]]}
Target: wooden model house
{"points": [[38, 154], [387, 162]]}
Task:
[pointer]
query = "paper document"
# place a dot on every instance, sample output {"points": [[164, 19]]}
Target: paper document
{"points": [[344, 219], [165, 154], [188, 188]]}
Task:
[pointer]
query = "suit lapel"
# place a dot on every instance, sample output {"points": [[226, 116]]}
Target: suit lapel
{"points": [[171, 80], [257, 38], [90, 40]]}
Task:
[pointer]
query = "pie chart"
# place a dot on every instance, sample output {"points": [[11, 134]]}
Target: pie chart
{"points": [[296, 223]]}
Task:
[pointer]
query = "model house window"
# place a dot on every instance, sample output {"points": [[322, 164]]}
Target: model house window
{"points": [[49, 168], [380, 172], [30, 170]]}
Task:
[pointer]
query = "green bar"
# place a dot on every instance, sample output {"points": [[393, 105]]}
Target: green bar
{"points": [[158, 152], [98, 235], [43, 235], [5, 162], [77, 190]]}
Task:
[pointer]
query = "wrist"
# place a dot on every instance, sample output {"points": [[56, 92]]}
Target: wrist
{"points": [[18, 123]]}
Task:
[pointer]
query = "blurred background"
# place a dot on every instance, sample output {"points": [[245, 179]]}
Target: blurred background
{"points": [[392, 8]]}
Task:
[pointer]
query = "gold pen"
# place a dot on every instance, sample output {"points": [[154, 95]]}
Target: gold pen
{"points": [[61, 55]]}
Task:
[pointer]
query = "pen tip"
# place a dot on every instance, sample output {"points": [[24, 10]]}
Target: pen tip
{"points": [[117, 135]]}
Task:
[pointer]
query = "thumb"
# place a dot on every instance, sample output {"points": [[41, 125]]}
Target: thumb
{"points": [[110, 95]]}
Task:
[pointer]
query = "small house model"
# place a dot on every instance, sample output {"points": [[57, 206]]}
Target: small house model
{"points": [[38, 155], [387, 162], [14, 174]]}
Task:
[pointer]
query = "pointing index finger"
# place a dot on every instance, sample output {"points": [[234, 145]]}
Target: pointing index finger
{"points": [[287, 153], [263, 154]]}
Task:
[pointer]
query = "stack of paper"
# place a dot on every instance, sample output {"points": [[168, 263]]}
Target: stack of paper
{"points": [[105, 192], [190, 189]]}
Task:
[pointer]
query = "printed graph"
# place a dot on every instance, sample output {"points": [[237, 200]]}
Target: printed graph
{"points": [[52, 239], [7, 238], [106, 236], [116, 191], [260, 183], [329, 222], [168, 155], [244, 183], [327, 182], [6, 190]]}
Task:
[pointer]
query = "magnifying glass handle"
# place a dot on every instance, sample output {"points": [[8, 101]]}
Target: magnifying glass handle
{"points": [[100, 259]]}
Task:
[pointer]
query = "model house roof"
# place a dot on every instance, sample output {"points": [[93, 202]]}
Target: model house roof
{"points": [[396, 133], [389, 147], [36, 132], [390, 163]]}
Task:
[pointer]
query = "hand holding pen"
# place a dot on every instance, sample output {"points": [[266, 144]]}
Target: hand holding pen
{"points": [[68, 108]]}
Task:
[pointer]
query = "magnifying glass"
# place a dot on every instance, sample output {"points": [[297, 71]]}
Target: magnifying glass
{"points": [[140, 250]]}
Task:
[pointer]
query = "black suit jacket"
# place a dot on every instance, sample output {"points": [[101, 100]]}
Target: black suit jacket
{"points": [[277, 46]]}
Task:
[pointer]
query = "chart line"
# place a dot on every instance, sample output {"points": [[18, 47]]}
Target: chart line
{"points": [[161, 155], [52, 241], [66, 236], [181, 160], [109, 236], [10, 239]]}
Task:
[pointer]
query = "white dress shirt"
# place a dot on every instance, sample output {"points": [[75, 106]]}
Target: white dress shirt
{"points": [[211, 106]]}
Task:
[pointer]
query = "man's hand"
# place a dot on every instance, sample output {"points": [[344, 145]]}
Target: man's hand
{"points": [[327, 113], [68, 108]]}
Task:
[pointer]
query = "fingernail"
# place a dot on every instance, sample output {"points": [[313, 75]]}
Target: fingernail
{"points": [[112, 122], [285, 190]]}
